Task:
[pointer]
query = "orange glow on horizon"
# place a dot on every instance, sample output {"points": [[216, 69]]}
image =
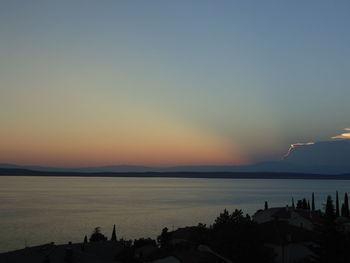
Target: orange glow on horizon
{"points": [[77, 156], [166, 145]]}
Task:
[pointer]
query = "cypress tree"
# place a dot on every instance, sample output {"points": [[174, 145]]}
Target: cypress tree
{"points": [[308, 205], [114, 235], [304, 204], [346, 205], [329, 208], [342, 210], [85, 239], [313, 202], [266, 205], [337, 214], [299, 204], [293, 206]]}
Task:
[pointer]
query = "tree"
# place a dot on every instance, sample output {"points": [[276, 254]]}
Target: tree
{"points": [[164, 238], [293, 206], [342, 210], [127, 253], [266, 205], [97, 235], [238, 238], [331, 246], [299, 204], [304, 203], [337, 204], [85, 239], [329, 213], [308, 205], [223, 218], [313, 202], [346, 205], [237, 216], [144, 241], [114, 235]]}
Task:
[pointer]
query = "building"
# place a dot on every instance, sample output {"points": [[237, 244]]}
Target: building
{"points": [[302, 218]]}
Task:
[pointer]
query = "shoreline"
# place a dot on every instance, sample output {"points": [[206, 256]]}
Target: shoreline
{"points": [[199, 175]]}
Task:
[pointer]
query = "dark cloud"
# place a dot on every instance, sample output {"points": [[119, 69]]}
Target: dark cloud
{"points": [[335, 153]]}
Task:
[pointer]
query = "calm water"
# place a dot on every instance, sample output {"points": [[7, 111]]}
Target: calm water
{"points": [[36, 210]]}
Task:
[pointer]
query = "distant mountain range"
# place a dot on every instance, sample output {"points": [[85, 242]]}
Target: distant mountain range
{"points": [[275, 167], [331, 157]]}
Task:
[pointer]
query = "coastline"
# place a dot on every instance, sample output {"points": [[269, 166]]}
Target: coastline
{"points": [[203, 175]]}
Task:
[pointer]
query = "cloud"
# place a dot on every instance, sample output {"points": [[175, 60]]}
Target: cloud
{"points": [[333, 152], [292, 146], [345, 135], [326, 153]]}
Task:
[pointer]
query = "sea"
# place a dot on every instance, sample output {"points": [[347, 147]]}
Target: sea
{"points": [[36, 210]]}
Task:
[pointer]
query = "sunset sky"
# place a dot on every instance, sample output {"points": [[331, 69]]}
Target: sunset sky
{"points": [[88, 83]]}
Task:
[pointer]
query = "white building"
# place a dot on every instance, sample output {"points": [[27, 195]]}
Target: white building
{"points": [[297, 217]]}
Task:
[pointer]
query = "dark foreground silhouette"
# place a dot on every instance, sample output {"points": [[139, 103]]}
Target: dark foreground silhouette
{"points": [[295, 233]]}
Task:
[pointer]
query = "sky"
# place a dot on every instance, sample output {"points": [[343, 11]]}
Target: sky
{"points": [[162, 83]]}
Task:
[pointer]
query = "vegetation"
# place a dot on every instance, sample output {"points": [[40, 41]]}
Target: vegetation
{"points": [[332, 245], [97, 235], [164, 238], [144, 242], [345, 211], [238, 238], [303, 204], [114, 234]]}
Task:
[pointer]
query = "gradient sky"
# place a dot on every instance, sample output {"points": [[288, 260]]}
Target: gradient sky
{"points": [[87, 83]]}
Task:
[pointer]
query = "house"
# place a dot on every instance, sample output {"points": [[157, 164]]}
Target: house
{"points": [[97, 252], [290, 243], [343, 224], [145, 251], [302, 218], [169, 259]]}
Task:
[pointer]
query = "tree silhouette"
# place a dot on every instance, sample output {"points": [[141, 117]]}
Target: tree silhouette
{"points": [[164, 238], [346, 205], [337, 212], [332, 245], [144, 241], [266, 205], [114, 235], [238, 238], [97, 235], [85, 239], [329, 213], [302, 204], [127, 253], [299, 204], [223, 218], [342, 212], [313, 202]]}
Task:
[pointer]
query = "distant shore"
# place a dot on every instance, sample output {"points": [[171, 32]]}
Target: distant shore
{"points": [[209, 175]]}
